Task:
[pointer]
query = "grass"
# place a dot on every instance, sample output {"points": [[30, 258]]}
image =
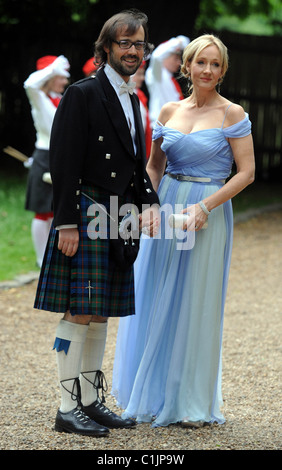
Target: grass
{"points": [[257, 195], [17, 255]]}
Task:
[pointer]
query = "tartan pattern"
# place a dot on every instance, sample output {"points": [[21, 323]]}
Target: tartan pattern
{"points": [[64, 281]]}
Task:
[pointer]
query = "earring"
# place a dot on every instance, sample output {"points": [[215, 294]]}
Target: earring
{"points": [[218, 84], [189, 83]]}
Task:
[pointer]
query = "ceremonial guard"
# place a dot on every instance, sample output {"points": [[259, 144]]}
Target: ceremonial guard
{"points": [[162, 85], [44, 89]]}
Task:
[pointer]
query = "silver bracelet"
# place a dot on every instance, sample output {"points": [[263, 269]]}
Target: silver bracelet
{"points": [[204, 209]]}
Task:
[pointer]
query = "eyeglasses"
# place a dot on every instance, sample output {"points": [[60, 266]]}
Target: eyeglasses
{"points": [[126, 44]]}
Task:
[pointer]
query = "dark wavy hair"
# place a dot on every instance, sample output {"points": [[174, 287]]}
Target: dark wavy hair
{"points": [[129, 19]]}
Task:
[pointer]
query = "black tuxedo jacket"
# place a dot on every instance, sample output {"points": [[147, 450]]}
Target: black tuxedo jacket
{"points": [[91, 142]]}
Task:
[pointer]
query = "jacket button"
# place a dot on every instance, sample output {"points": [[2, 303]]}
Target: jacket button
{"points": [[101, 138], [113, 174], [108, 156]]}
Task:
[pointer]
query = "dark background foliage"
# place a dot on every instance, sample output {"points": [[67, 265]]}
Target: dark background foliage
{"points": [[30, 29]]}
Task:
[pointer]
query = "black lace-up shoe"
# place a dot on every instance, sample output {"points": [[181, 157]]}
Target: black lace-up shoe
{"points": [[76, 421], [102, 415]]}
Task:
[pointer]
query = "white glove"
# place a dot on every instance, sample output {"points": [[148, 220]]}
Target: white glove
{"points": [[183, 41], [37, 79], [46, 177], [60, 66], [28, 163]]}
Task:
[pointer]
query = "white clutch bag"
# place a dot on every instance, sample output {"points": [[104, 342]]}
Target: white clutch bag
{"points": [[178, 220]]}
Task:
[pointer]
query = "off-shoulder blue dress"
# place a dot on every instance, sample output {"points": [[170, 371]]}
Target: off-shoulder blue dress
{"points": [[168, 356]]}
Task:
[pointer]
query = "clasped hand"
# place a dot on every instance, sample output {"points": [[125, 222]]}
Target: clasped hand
{"points": [[149, 221], [69, 237]]}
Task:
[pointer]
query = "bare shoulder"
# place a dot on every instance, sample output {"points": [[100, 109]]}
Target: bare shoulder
{"points": [[167, 111], [235, 113]]}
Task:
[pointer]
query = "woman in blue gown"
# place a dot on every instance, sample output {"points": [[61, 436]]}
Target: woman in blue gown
{"points": [[168, 357]]}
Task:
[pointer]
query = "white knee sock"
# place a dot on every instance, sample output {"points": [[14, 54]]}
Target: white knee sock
{"points": [[69, 365], [92, 360], [40, 232]]}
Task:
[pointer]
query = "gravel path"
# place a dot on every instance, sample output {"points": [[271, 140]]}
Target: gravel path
{"points": [[251, 363]]}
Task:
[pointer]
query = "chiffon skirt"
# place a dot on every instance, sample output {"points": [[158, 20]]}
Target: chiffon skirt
{"points": [[168, 356]]}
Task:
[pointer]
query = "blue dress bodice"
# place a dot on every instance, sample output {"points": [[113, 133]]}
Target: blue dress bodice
{"points": [[204, 153]]}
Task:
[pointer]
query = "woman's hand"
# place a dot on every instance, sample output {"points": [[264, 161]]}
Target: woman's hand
{"points": [[197, 218], [68, 241]]}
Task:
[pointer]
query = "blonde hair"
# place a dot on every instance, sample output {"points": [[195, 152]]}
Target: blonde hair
{"points": [[196, 46]]}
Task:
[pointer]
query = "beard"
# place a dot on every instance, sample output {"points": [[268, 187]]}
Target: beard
{"points": [[124, 68]]}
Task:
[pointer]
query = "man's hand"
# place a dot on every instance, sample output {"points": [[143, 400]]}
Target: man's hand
{"points": [[150, 221], [68, 241]]}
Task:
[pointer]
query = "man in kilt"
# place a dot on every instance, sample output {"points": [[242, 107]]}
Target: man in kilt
{"points": [[97, 153]]}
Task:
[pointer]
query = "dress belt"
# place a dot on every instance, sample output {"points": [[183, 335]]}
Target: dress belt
{"points": [[196, 179]]}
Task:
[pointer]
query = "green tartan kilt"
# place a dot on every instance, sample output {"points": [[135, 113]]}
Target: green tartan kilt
{"points": [[88, 283]]}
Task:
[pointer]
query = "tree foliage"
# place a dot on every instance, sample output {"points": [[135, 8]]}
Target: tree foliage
{"points": [[269, 11], [84, 18], [43, 16]]}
